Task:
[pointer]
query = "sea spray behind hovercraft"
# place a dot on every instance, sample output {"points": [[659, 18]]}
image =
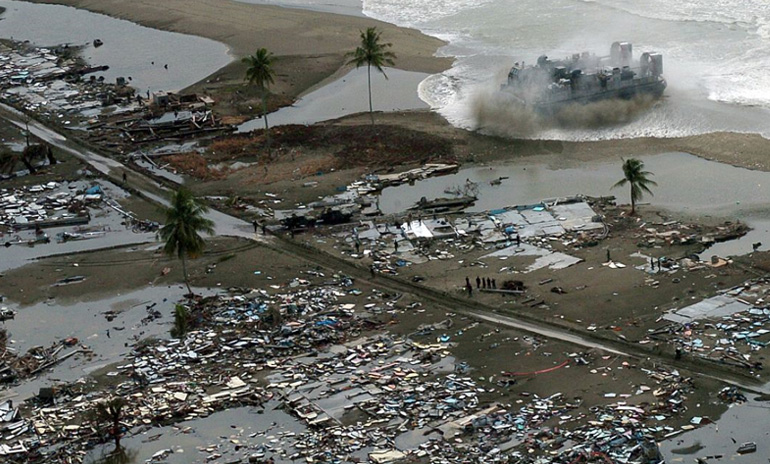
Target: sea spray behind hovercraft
{"points": [[551, 85]]}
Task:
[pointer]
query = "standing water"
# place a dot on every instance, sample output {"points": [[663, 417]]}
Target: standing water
{"points": [[715, 57], [153, 59], [349, 95], [686, 184]]}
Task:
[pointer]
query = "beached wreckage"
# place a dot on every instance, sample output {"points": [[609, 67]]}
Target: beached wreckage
{"points": [[48, 205], [166, 117], [440, 205], [6, 313]]}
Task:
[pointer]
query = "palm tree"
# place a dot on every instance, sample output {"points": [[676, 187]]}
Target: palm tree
{"points": [[372, 53], [184, 219], [111, 411], [260, 73], [634, 174], [31, 153]]}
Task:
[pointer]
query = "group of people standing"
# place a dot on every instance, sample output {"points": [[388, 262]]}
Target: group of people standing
{"points": [[481, 282]]}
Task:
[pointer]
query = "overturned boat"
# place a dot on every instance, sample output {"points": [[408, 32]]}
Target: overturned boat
{"points": [[550, 85]]}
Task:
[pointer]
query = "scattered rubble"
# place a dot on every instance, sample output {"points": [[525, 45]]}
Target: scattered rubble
{"points": [[727, 328], [521, 231], [361, 393], [48, 82]]}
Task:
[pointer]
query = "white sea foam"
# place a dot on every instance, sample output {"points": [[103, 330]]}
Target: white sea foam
{"points": [[413, 13], [729, 12], [716, 55]]}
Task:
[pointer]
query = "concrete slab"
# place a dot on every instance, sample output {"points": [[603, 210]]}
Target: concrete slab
{"points": [[711, 308]]}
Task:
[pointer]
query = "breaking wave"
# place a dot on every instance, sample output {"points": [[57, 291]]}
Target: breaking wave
{"points": [[716, 55]]}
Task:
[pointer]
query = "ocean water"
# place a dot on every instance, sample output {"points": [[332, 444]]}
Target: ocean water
{"points": [[716, 59]]}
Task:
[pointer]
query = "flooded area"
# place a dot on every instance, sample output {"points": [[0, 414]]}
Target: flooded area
{"points": [[306, 359], [686, 183], [349, 95], [108, 327], [150, 59], [224, 433], [725, 436], [106, 228]]}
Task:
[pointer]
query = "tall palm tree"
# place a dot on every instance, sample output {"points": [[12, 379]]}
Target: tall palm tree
{"points": [[372, 53], [184, 219], [260, 73], [635, 175]]}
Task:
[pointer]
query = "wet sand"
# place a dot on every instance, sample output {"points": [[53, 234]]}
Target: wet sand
{"points": [[312, 45], [301, 39], [750, 151]]}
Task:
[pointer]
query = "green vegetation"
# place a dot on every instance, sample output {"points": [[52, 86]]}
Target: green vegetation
{"points": [[372, 52], [260, 73], [635, 175], [184, 220], [181, 321]]}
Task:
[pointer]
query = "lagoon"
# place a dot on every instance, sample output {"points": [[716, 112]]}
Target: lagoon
{"points": [[129, 50]]}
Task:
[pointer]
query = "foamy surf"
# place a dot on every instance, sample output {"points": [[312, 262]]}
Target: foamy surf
{"points": [[715, 58]]}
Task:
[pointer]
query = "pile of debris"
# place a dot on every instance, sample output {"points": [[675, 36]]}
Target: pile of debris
{"points": [[189, 118], [361, 394], [731, 327], [354, 200], [211, 369], [49, 205], [521, 231], [672, 233], [16, 368], [48, 82], [411, 411]]}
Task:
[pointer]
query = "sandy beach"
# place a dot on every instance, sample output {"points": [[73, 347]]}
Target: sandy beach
{"points": [[311, 46], [304, 41]]}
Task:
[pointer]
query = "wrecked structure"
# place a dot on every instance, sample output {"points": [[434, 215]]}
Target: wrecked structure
{"points": [[360, 394]]}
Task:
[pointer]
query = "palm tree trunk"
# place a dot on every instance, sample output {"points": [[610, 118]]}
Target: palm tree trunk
{"points": [[369, 79], [184, 270], [49, 155], [633, 203], [28, 164], [264, 114]]}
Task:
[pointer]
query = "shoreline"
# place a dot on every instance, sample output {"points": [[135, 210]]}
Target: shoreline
{"points": [[300, 38], [285, 30]]}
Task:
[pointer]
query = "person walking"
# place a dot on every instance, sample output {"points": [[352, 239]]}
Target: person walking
{"points": [[469, 287], [478, 282], [255, 224]]}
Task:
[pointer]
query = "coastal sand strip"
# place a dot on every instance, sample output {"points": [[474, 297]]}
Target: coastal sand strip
{"points": [[283, 31]]}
